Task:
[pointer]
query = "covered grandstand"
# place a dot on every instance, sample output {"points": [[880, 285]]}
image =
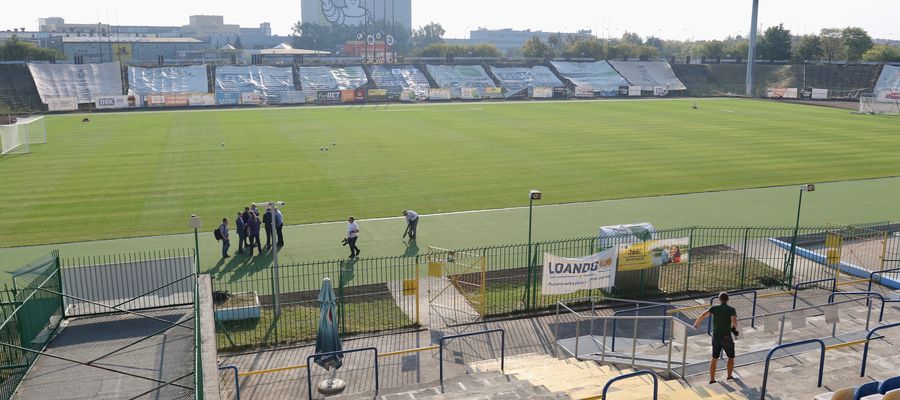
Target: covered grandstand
{"points": [[591, 79], [652, 76], [400, 77], [521, 82], [252, 84], [76, 83], [464, 81], [188, 79]]}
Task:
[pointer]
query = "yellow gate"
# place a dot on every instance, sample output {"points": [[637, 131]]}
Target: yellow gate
{"points": [[457, 282]]}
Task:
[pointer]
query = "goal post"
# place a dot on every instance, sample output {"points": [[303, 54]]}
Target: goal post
{"points": [[13, 140], [871, 105], [35, 129]]}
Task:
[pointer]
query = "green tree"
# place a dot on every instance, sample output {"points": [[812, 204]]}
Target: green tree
{"points": [[237, 43], [14, 49], [856, 42], [631, 37], [739, 49], [775, 43], [711, 49], [444, 50], [427, 35], [832, 44], [654, 41], [536, 48], [585, 48], [808, 49], [882, 53]]}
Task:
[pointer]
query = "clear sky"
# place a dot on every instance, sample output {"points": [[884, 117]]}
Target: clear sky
{"points": [[700, 19]]}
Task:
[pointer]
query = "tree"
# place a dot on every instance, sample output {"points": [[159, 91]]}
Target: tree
{"points": [[856, 42], [631, 37], [557, 43], [775, 43], [237, 43], [14, 49], [535, 48], [427, 35], [585, 48], [739, 49], [882, 53], [808, 49], [654, 41], [832, 44], [712, 49], [445, 50]]}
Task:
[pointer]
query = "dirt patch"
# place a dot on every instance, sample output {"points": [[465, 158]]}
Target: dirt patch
{"points": [[351, 294], [238, 300]]}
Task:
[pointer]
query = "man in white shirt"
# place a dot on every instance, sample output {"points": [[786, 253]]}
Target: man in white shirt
{"points": [[412, 221], [352, 236]]}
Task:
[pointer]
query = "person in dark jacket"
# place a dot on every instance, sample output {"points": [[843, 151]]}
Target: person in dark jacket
{"points": [[253, 233], [267, 222], [241, 229]]}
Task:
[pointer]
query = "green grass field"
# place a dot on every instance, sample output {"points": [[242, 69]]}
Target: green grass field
{"points": [[141, 174]]}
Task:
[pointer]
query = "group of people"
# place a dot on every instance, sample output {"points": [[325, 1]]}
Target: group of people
{"points": [[248, 225]]}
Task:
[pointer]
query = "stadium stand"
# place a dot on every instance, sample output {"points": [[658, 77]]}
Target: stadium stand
{"points": [[327, 78], [598, 78], [17, 91], [188, 79], [887, 88], [459, 77], [264, 81], [729, 79], [400, 77], [843, 81], [81, 81], [518, 82], [649, 75]]}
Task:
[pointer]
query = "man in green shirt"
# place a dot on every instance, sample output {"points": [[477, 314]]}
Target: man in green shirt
{"points": [[724, 322]]}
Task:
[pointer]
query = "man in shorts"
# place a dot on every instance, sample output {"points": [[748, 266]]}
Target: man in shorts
{"points": [[724, 322]]}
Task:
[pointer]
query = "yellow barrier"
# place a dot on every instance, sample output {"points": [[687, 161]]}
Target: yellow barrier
{"points": [[303, 366], [848, 344]]}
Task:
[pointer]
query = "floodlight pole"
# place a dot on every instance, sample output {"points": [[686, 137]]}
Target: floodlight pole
{"points": [[793, 251], [751, 52], [532, 196]]}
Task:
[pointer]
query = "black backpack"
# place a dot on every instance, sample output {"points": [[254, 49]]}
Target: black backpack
{"points": [[218, 234]]}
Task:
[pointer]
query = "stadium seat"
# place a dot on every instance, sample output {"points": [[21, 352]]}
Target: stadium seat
{"points": [[892, 395], [865, 390], [841, 394], [889, 384]]}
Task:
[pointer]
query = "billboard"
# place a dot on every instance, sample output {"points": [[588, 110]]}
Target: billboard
{"points": [[562, 275], [293, 97], [653, 253], [328, 97], [61, 103], [115, 102], [228, 98]]}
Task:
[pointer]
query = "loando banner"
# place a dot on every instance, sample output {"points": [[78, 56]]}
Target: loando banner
{"points": [[653, 253], [568, 275]]}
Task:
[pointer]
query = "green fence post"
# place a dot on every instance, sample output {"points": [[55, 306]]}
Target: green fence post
{"points": [[744, 257], [690, 259], [533, 263], [526, 297], [341, 313], [59, 281]]}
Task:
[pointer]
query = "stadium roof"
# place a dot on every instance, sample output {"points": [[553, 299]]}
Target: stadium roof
{"points": [[109, 39]]}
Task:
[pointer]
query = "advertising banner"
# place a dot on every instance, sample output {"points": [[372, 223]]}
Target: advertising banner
{"points": [[660, 91], [634, 91], [328, 97], [201, 99], [61, 103], [115, 102], [560, 93], [493, 93], [782, 93], [653, 253], [568, 275], [293, 97], [467, 93], [156, 100], [820, 94], [348, 96], [408, 95], [228, 98], [887, 88], [439, 94], [377, 95], [176, 100], [584, 91], [253, 98], [542, 92]]}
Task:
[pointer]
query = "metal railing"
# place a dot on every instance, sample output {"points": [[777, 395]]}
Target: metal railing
{"points": [[341, 352], [792, 344], [237, 383], [632, 375], [874, 273], [865, 357], [487, 332], [735, 293], [868, 295], [797, 286], [665, 307]]}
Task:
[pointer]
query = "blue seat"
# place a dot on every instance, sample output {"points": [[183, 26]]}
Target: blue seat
{"points": [[889, 384], [865, 390]]}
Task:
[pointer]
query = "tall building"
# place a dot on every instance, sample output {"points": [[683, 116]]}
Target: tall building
{"points": [[356, 12]]}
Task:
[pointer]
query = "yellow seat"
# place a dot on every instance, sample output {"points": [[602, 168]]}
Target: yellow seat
{"points": [[892, 395], [843, 394]]}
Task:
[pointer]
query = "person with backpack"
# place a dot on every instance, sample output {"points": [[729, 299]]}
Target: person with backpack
{"points": [[253, 232], [223, 236], [241, 229]]}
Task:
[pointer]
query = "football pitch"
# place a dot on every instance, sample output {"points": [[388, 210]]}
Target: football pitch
{"points": [[142, 174]]}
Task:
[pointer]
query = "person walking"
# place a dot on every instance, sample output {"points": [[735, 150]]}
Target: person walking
{"points": [[724, 322], [412, 221], [246, 218], [279, 223], [352, 236], [241, 229], [267, 223], [253, 233], [223, 231]]}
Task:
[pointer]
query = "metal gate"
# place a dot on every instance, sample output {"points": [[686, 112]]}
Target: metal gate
{"points": [[455, 286]]}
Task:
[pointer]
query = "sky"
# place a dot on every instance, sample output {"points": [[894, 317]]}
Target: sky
{"points": [[669, 19]]}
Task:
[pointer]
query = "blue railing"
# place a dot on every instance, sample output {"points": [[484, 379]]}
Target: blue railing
{"points": [[636, 309], [873, 273], [862, 369], [632, 375], [786, 345], [487, 332], [868, 296], [237, 384], [331, 353], [797, 286], [712, 299]]}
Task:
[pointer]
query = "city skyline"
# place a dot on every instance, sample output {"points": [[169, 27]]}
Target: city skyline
{"points": [[689, 20]]}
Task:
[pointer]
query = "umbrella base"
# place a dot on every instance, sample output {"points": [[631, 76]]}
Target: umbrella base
{"points": [[331, 386]]}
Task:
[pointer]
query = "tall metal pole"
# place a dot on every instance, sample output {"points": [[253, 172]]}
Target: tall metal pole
{"points": [[197, 249], [275, 277], [790, 269], [528, 261], [751, 53]]}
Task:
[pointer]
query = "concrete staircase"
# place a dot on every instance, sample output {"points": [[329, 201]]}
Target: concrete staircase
{"points": [[478, 386]]}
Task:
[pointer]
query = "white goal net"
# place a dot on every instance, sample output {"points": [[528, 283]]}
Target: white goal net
{"points": [[17, 138], [871, 105]]}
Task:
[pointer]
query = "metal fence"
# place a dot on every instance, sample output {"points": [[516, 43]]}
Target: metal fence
{"points": [[31, 313], [398, 292]]}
